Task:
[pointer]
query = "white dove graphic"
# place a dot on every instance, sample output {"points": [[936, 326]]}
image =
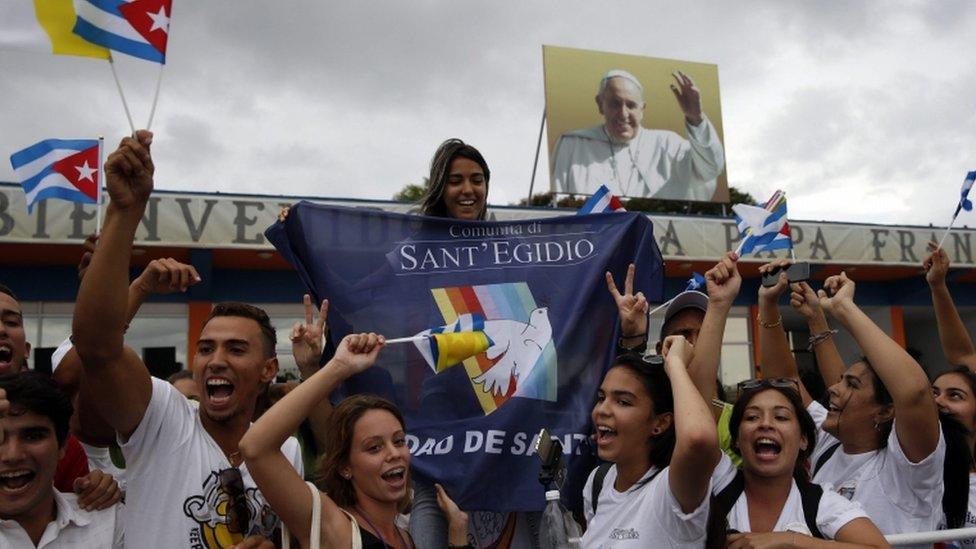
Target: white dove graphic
{"points": [[519, 345]]}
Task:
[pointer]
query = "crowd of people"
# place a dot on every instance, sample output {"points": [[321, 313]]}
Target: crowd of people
{"points": [[101, 454]]}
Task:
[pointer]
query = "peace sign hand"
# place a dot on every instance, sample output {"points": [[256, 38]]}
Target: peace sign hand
{"points": [[632, 308], [306, 339]]}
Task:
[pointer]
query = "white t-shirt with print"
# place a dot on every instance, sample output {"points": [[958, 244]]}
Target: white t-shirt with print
{"points": [[899, 496], [644, 516], [833, 513], [173, 493]]}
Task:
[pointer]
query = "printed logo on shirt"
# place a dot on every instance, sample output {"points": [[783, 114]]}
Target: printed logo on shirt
{"points": [[223, 522], [624, 533], [847, 490]]}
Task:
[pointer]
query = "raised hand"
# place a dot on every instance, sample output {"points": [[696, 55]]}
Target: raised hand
{"points": [[936, 265], [357, 352], [841, 293], [166, 276], [677, 348], [632, 308], [723, 281], [805, 301], [772, 293], [129, 172], [306, 338], [688, 96]]}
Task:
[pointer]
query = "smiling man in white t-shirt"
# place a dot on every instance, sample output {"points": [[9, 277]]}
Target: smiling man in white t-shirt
{"points": [[187, 486]]}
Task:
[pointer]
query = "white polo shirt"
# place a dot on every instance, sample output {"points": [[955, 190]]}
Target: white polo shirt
{"points": [[73, 527]]}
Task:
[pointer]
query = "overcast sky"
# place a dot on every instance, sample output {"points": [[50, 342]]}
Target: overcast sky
{"points": [[860, 111]]}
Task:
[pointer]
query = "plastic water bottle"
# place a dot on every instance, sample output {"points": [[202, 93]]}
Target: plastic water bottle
{"points": [[559, 530]]}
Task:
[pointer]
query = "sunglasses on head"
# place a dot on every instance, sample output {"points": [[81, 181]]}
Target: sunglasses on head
{"points": [[232, 484], [781, 382]]}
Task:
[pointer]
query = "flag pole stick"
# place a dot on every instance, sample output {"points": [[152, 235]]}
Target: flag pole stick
{"points": [[949, 228], [152, 111], [407, 339], [535, 163], [101, 178], [125, 104]]}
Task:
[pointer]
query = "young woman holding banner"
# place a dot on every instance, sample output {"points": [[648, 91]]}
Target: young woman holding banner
{"points": [[657, 431]]}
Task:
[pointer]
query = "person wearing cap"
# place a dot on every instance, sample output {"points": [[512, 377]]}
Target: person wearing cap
{"points": [[635, 161]]}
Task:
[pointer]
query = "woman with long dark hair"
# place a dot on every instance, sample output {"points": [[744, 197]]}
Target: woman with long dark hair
{"points": [[363, 474], [656, 430], [880, 442], [770, 501]]}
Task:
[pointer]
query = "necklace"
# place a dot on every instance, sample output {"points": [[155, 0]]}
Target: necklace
{"points": [[379, 534], [624, 187]]}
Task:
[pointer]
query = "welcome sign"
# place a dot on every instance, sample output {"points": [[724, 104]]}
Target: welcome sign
{"points": [[534, 288]]}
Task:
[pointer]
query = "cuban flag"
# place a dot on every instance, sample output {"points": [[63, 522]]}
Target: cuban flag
{"points": [[59, 168], [964, 202], [602, 201], [139, 28], [696, 282], [764, 228]]}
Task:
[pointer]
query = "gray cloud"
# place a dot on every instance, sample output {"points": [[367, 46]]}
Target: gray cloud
{"points": [[822, 99]]}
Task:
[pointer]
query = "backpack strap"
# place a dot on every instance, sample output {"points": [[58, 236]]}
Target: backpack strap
{"points": [[810, 494], [725, 500], [598, 476], [823, 459]]}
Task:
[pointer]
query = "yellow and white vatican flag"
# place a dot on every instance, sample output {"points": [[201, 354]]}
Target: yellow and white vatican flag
{"points": [[44, 26]]}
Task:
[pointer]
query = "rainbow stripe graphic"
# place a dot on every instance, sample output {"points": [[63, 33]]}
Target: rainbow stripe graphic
{"points": [[513, 301]]}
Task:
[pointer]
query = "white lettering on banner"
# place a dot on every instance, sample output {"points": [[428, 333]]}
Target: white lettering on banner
{"points": [[437, 256], [493, 441], [216, 220]]}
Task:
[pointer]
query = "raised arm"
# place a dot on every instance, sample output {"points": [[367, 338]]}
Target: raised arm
{"points": [[956, 342], [261, 445], [161, 276], [774, 348], [723, 283], [696, 450], [829, 361], [117, 378], [917, 424]]}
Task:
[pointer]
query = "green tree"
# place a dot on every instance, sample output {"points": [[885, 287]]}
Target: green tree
{"points": [[412, 192]]}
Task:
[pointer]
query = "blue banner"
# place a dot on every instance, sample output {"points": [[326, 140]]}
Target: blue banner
{"points": [[534, 293]]}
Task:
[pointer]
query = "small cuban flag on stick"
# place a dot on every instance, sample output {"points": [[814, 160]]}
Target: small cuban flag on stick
{"points": [[696, 282], [602, 201], [445, 346], [139, 28], [69, 169], [765, 228], [964, 203]]}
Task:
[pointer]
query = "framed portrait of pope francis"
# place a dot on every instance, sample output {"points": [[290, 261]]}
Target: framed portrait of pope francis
{"points": [[645, 127]]}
